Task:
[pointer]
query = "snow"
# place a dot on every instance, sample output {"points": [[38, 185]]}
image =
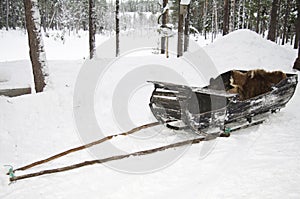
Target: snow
{"points": [[185, 2], [258, 162], [58, 46], [244, 49]]}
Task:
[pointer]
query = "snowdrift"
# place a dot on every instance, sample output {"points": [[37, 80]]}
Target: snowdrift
{"points": [[245, 49]]}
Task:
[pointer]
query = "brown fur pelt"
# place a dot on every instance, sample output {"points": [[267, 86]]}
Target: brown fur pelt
{"points": [[254, 82]]}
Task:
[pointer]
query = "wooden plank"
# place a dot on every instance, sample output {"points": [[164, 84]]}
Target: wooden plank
{"points": [[15, 92]]}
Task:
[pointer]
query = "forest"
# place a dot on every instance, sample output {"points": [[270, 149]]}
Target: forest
{"points": [[206, 16]]}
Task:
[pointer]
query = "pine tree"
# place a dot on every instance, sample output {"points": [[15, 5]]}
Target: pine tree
{"points": [[258, 16], [273, 21], [286, 16], [232, 16], [226, 17]]}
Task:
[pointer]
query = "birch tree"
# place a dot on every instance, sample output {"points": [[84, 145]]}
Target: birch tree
{"points": [[92, 28], [36, 46]]}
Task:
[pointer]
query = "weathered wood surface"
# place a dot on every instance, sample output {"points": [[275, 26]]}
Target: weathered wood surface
{"points": [[15, 92], [202, 107], [112, 158]]}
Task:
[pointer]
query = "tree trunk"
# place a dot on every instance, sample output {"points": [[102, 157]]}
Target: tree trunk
{"points": [[296, 38], [212, 25], [187, 30], [239, 15], [278, 29], [244, 15], [180, 33], [46, 16], [249, 16], [297, 27], [36, 46], [226, 17], [273, 21], [7, 14], [214, 21], [92, 28], [216, 18], [297, 62], [204, 18], [164, 23], [286, 16], [232, 16], [1, 14], [43, 15], [117, 30], [258, 16]]}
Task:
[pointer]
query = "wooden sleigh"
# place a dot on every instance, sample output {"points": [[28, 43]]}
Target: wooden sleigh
{"points": [[213, 107]]}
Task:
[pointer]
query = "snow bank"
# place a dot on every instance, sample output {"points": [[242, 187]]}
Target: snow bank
{"points": [[245, 49]]}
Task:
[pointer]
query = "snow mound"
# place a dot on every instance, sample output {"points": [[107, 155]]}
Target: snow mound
{"points": [[245, 49]]}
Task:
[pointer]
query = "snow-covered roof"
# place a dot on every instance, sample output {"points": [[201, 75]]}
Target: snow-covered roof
{"points": [[185, 2]]}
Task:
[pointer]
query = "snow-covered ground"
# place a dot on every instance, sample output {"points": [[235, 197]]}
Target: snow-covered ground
{"points": [[258, 162]]}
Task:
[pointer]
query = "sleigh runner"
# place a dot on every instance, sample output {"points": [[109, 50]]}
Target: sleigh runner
{"points": [[213, 107]]}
